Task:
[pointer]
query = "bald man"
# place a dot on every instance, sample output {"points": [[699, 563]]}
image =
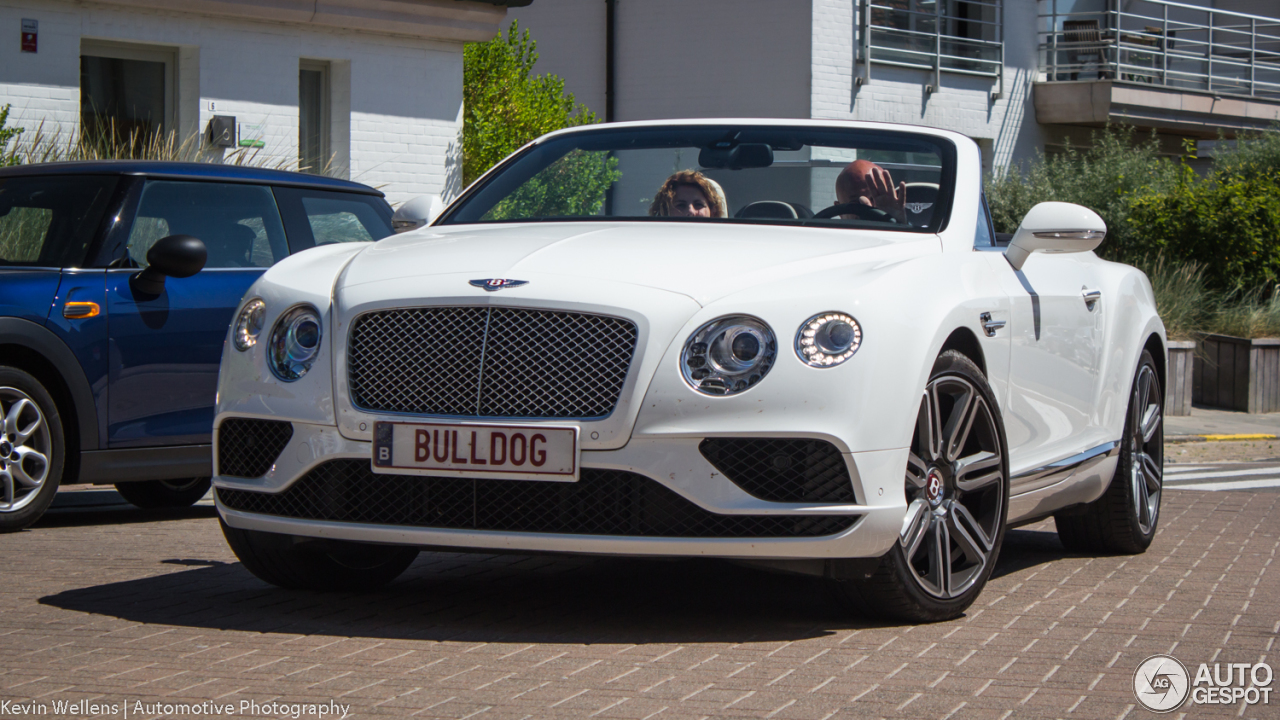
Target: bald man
{"points": [[866, 183]]}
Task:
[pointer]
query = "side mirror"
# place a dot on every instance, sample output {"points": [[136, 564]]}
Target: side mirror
{"points": [[177, 256], [418, 212], [1055, 227]]}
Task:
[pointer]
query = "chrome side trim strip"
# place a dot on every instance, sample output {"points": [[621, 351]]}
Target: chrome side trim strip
{"points": [[1064, 467]]}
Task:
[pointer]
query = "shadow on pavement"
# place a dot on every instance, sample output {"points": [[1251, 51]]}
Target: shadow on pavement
{"points": [[464, 597], [119, 515], [1024, 549], [486, 598]]}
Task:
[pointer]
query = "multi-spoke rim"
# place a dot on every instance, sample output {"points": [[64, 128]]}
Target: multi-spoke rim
{"points": [[25, 447], [1146, 448], [949, 532]]}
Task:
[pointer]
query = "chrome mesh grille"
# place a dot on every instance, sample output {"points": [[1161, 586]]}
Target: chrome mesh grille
{"points": [[489, 362]]}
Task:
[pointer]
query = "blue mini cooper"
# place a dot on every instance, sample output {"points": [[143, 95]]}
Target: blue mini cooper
{"points": [[118, 281]]}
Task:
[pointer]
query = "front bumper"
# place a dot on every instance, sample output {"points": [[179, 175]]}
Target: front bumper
{"points": [[866, 527]]}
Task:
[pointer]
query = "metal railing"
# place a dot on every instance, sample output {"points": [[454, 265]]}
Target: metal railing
{"points": [[1169, 44], [932, 35]]}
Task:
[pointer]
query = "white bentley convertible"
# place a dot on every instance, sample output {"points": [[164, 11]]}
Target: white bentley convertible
{"points": [[792, 343]]}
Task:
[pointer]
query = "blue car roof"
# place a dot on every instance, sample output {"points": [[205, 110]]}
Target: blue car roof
{"points": [[190, 171]]}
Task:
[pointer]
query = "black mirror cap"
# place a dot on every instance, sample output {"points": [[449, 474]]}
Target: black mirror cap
{"points": [[177, 256]]}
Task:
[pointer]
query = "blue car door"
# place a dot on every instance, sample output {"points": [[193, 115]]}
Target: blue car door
{"points": [[164, 349], [47, 227]]}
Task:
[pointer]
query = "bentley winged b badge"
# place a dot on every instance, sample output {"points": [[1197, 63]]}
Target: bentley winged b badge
{"points": [[494, 284]]}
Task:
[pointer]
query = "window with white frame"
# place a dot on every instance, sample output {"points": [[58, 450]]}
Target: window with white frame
{"points": [[961, 36]]}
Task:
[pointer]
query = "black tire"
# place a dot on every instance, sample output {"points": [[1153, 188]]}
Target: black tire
{"points": [[32, 449], [300, 563], [157, 494], [957, 488], [1125, 518]]}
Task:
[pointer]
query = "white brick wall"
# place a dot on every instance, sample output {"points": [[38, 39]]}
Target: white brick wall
{"points": [[1007, 126], [404, 94]]}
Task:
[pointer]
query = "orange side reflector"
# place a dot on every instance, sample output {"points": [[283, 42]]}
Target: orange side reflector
{"points": [[80, 310]]}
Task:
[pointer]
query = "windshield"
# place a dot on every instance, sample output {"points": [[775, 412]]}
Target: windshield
{"points": [[722, 173]]}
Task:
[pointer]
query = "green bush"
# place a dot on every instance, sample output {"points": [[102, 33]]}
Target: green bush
{"points": [[1105, 177], [1229, 223], [1215, 239], [7, 134]]}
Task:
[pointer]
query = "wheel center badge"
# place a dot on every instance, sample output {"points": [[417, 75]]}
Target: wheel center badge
{"points": [[495, 284], [933, 487]]}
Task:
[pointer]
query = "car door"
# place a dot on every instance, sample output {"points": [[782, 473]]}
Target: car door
{"points": [[164, 350], [48, 224], [1057, 328]]}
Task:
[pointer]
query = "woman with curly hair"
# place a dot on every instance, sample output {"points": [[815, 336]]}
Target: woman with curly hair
{"points": [[689, 193]]}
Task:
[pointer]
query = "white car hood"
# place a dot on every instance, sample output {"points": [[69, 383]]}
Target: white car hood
{"points": [[704, 262]]}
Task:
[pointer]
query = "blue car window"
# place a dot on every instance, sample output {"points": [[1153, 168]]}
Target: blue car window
{"points": [[239, 224], [338, 220], [49, 221]]}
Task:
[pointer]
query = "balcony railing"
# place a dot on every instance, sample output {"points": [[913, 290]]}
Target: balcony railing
{"points": [[930, 35], [1165, 44]]}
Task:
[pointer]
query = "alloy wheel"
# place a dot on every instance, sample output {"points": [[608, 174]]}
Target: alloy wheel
{"points": [[955, 488], [1146, 471], [25, 447]]}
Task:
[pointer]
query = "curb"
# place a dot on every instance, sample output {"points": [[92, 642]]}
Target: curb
{"points": [[1177, 439]]}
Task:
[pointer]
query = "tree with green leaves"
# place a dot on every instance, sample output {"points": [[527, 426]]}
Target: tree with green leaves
{"points": [[504, 105], [7, 134]]}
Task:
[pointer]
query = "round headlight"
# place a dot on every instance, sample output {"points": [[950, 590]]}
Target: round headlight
{"points": [[295, 342], [728, 355], [828, 339], [249, 324]]}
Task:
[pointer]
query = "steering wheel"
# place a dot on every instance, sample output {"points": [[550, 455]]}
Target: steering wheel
{"points": [[865, 212]]}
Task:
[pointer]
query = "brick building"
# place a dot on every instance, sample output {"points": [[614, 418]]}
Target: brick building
{"points": [[374, 86], [1016, 75]]}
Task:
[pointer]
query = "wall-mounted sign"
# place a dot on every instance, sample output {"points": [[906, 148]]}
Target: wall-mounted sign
{"points": [[30, 31], [252, 134]]}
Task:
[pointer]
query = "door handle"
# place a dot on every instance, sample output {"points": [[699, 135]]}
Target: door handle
{"points": [[1091, 297], [990, 326]]}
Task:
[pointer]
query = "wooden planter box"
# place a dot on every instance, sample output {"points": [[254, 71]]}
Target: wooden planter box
{"points": [[1177, 396], [1238, 374]]}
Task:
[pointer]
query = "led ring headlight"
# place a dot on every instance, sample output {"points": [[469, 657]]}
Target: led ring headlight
{"points": [[295, 343], [828, 339], [728, 355], [249, 324]]}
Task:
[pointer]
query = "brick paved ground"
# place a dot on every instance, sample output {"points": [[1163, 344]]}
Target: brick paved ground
{"points": [[132, 606]]}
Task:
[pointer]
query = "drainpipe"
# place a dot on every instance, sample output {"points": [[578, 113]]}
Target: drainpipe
{"points": [[610, 33]]}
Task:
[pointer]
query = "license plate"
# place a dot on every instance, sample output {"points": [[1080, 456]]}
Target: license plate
{"points": [[515, 452]]}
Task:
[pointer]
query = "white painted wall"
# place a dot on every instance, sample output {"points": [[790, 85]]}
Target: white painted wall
{"points": [[402, 96], [679, 58], [571, 43]]}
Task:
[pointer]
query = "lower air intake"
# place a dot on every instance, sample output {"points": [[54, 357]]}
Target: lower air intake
{"points": [[602, 502], [248, 448]]}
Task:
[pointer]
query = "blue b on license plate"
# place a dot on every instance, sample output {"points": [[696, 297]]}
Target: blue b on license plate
{"points": [[517, 452]]}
